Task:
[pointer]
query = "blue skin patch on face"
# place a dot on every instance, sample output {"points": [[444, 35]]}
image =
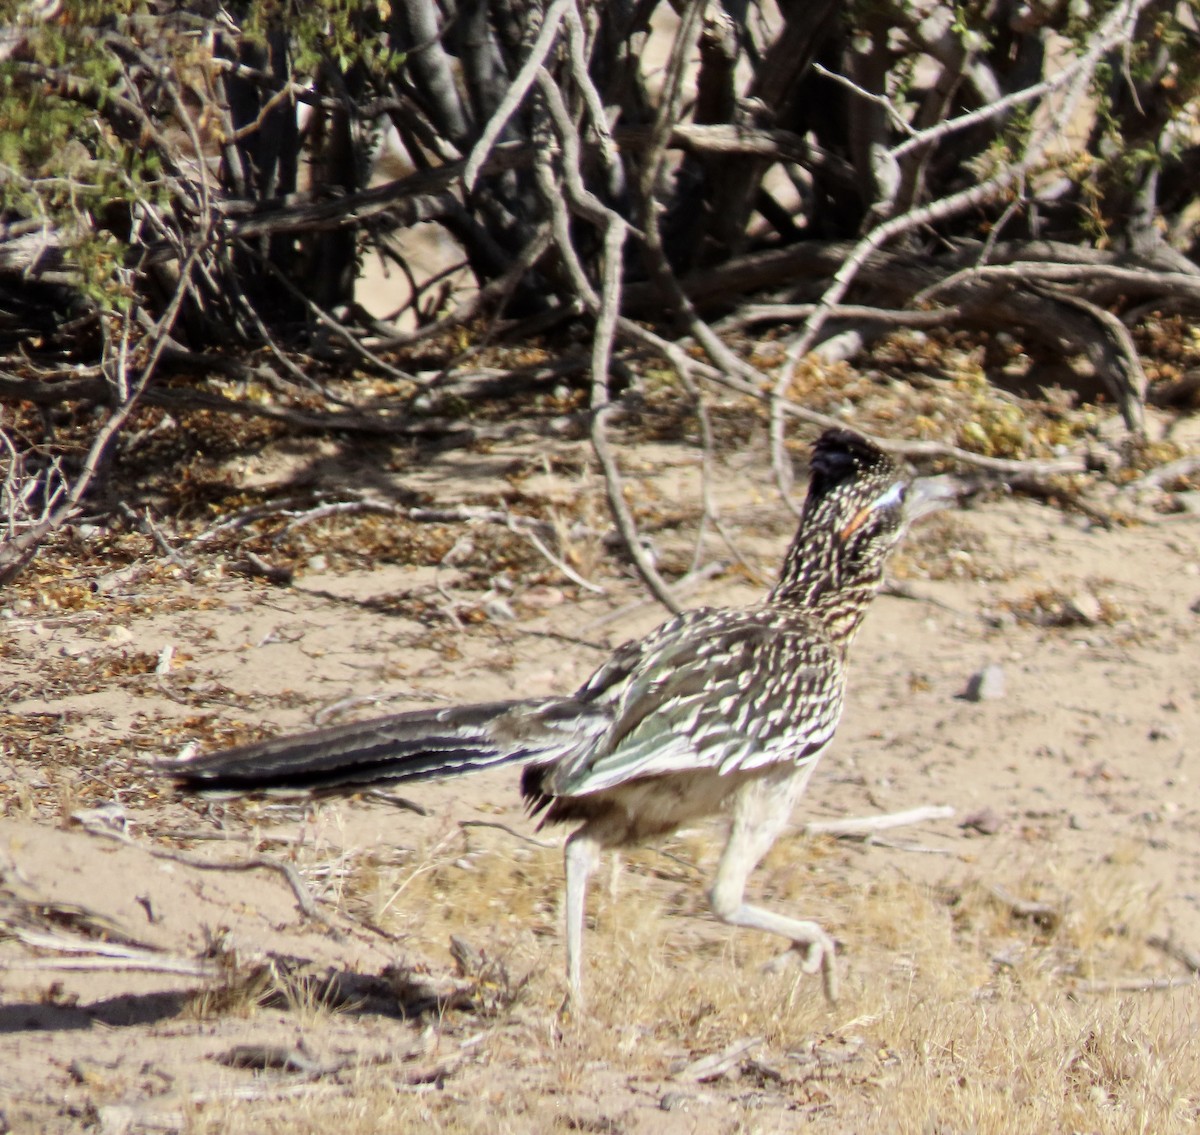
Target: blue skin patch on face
{"points": [[894, 495]]}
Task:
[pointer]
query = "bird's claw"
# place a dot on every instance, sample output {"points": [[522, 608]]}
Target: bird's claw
{"points": [[815, 955]]}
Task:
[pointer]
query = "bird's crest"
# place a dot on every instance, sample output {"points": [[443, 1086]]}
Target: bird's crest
{"points": [[841, 456]]}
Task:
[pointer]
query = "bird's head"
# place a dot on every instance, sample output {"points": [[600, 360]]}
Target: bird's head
{"points": [[859, 504], [856, 494]]}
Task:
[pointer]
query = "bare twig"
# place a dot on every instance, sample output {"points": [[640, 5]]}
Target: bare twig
{"points": [[517, 90], [1075, 77], [1184, 954], [680, 587], [531, 535], [93, 954], [752, 314], [1003, 468], [1043, 913], [717, 1064], [1156, 478], [1135, 984], [624, 518], [544, 843], [304, 899], [17, 552], [862, 826], [1136, 281]]}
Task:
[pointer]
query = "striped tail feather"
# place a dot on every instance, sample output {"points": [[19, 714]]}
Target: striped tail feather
{"points": [[417, 745]]}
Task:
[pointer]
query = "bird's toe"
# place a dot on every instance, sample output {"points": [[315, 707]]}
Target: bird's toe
{"points": [[815, 955]]}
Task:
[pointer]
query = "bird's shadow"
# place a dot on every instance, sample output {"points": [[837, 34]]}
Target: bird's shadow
{"points": [[122, 1011], [281, 983]]}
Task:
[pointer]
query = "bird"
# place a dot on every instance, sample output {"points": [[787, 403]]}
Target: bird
{"points": [[720, 709]]}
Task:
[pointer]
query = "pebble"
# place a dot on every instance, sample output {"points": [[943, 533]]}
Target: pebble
{"points": [[986, 822], [1188, 502], [987, 684], [499, 610], [1083, 607]]}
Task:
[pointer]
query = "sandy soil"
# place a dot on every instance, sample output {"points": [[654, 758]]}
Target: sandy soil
{"points": [[1080, 776]]}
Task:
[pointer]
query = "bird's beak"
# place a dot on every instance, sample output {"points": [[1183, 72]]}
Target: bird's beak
{"points": [[932, 494]]}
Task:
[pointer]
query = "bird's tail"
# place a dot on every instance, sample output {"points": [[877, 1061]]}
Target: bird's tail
{"points": [[418, 745]]}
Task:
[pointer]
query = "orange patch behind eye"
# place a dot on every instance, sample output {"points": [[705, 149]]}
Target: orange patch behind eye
{"points": [[858, 520]]}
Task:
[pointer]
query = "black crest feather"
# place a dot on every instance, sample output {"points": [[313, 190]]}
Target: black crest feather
{"points": [[840, 455]]}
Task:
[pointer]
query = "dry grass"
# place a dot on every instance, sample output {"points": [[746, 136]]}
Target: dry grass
{"points": [[957, 1014]]}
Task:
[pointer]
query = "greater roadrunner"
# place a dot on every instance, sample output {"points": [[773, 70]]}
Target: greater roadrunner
{"points": [[717, 708]]}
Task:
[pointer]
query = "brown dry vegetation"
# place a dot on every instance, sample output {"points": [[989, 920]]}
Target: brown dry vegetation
{"points": [[999, 964]]}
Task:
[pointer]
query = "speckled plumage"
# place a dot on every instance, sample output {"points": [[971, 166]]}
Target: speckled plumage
{"points": [[718, 708]]}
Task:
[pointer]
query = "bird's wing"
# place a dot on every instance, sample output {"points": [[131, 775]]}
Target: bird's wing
{"points": [[632, 656], [731, 692]]}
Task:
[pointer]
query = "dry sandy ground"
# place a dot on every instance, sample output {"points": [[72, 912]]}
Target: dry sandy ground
{"points": [[1075, 789]]}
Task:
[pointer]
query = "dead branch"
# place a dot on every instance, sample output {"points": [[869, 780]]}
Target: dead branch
{"points": [[679, 588], [16, 552], [752, 314], [558, 563], [304, 899], [626, 525], [717, 1064], [91, 954], [1076, 76], [1163, 475], [542, 843], [1135, 984], [517, 90], [491, 297], [863, 826], [605, 305], [1005, 469], [1129, 281], [1181, 953], [1044, 914]]}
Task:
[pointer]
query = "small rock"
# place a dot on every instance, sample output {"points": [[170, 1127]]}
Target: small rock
{"points": [[986, 822], [107, 818], [1188, 502], [1082, 607], [499, 610], [462, 553], [543, 597], [986, 685]]}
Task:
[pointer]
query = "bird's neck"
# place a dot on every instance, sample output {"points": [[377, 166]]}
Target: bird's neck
{"points": [[817, 579]]}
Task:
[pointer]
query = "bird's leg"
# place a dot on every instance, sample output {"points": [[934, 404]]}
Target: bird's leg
{"points": [[760, 812], [582, 854], [616, 864]]}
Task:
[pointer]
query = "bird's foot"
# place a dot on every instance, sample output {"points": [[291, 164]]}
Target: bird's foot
{"points": [[572, 1007], [816, 953]]}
